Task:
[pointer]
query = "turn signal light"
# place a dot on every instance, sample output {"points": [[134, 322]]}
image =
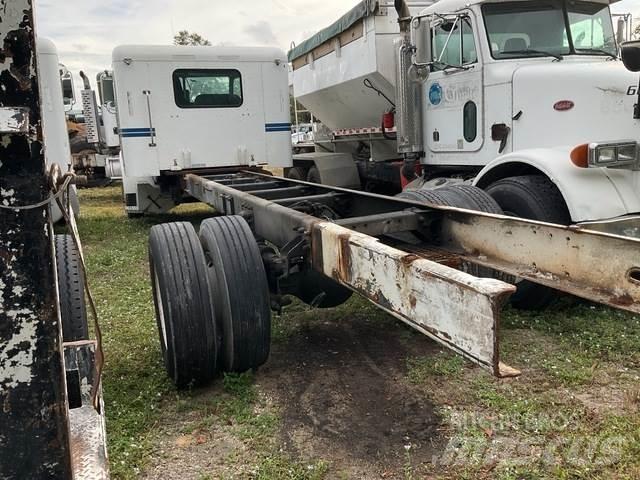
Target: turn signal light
{"points": [[580, 156]]}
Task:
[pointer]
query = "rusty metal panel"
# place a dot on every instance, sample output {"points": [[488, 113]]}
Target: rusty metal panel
{"points": [[34, 428], [456, 309], [592, 265]]}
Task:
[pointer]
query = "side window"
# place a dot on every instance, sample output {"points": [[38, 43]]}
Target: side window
{"points": [[453, 46], [207, 88]]}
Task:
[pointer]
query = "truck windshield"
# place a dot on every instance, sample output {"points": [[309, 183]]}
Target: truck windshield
{"points": [[549, 28]]}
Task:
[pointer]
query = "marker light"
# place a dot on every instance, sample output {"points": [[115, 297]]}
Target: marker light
{"points": [[580, 156], [607, 154]]}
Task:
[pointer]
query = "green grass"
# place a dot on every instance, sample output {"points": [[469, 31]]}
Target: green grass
{"points": [[135, 384]]}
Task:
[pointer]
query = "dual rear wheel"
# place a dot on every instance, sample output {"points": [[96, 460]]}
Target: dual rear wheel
{"points": [[211, 299]]}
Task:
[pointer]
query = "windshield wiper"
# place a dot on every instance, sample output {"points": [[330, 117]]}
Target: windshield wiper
{"points": [[596, 50], [535, 52]]}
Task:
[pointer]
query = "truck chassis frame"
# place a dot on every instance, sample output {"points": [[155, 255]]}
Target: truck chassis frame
{"points": [[405, 256]]}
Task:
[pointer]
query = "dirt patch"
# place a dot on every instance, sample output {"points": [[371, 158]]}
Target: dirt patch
{"points": [[344, 397]]}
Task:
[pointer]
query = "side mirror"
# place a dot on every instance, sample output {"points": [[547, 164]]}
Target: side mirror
{"points": [[68, 89], [422, 40], [631, 55]]}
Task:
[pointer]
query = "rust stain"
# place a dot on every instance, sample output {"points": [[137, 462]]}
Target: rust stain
{"points": [[344, 257], [409, 258], [412, 301], [625, 300]]}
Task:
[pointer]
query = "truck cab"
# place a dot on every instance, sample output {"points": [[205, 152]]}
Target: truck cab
{"points": [[186, 109], [516, 86]]}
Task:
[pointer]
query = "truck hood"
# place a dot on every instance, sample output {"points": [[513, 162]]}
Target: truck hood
{"points": [[570, 103]]}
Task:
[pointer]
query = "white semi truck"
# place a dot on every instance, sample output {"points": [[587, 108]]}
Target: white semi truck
{"points": [[527, 100]]}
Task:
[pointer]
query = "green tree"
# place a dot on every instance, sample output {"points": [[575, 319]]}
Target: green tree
{"points": [[636, 31], [184, 37]]}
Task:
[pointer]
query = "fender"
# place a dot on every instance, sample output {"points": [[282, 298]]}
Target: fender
{"points": [[590, 193]]}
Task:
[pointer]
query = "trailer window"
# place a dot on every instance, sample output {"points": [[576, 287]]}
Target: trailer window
{"points": [[207, 88]]}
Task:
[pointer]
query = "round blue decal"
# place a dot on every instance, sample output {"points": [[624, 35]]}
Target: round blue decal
{"points": [[435, 94]]}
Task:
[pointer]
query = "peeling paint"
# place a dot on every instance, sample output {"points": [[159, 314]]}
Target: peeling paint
{"points": [[17, 354]]}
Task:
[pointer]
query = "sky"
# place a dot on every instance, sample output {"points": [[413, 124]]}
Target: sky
{"points": [[86, 32]]}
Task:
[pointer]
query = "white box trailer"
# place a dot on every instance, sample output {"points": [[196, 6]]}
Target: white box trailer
{"points": [[195, 109]]}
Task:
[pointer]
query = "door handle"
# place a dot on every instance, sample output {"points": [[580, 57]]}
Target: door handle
{"points": [[147, 93]]}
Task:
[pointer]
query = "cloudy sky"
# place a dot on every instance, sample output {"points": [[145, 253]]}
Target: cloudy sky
{"points": [[86, 31]]}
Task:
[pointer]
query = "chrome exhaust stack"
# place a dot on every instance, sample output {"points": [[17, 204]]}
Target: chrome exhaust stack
{"points": [[408, 96]]}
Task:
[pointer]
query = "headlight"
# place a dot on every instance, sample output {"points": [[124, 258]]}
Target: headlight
{"points": [[614, 154]]}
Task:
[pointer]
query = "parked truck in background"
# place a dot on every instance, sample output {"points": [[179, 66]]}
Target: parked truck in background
{"points": [[57, 93], [179, 109], [527, 100]]}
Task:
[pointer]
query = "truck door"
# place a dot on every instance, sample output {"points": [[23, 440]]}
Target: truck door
{"points": [[138, 136], [453, 105]]}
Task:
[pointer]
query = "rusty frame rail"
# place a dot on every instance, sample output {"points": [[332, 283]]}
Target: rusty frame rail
{"points": [[458, 310], [597, 266]]}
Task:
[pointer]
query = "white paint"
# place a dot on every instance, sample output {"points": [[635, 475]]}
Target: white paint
{"points": [[18, 291], [16, 369], [14, 120]]}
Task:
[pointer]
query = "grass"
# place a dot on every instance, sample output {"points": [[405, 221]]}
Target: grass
{"points": [[581, 366]]}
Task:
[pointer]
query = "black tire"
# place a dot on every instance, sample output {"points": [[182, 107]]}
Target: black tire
{"points": [[73, 307], [314, 176], [297, 173], [470, 197], [428, 196], [459, 196], [467, 197], [533, 197], [239, 290], [184, 310]]}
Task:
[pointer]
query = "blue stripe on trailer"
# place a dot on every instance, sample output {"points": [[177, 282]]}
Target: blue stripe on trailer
{"points": [[277, 127], [137, 130], [135, 135]]}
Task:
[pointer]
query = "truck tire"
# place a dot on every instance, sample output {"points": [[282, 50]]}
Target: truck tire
{"points": [[73, 307], [467, 197], [184, 310], [459, 196], [240, 292], [297, 173], [471, 198], [428, 196], [533, 197], [314, 176]]}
